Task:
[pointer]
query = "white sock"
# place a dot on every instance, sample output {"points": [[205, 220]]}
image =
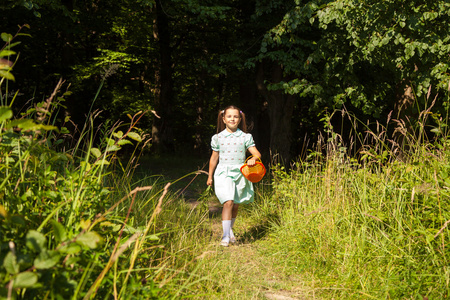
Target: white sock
{"points": [[231, 227], [226, 225]]}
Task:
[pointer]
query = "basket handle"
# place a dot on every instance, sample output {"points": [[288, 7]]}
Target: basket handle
{"points": [[251, 157]]}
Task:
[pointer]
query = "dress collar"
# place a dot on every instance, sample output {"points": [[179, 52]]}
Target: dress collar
{"points": [[226, 133]]}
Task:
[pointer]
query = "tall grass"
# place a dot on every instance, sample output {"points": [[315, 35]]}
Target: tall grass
{"points": [[367, 224], [75, 222]]}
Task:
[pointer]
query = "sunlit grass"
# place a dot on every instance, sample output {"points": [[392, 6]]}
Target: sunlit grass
{"points": [[373, 230]]}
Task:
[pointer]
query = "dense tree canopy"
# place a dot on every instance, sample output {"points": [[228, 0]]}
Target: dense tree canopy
{"points": [[283, 62], [361, 52]]}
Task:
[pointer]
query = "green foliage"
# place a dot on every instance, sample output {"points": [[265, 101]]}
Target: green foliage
{"points": [[359, 53], [368, 224], [5, 54], [51, 232], [333, 53], [70, 225]]}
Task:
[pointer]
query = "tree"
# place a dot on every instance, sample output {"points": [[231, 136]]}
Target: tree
{"points": [[186, 59], [197, 42], [360, 53]]}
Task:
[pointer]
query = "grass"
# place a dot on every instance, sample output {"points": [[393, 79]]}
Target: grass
{"points": [[337, 227], [245, 270], [330, 227], [76, 221], [371, 232]]}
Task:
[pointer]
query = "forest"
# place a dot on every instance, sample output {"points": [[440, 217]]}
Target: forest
{"points": [[106, 116], [287, 64]]}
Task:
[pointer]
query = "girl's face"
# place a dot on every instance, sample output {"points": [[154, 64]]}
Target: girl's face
{"points": [[231, 118]]}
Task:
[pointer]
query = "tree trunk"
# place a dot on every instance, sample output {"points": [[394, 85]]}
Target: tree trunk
{"points": [[162, 135], [280, 108], [258, 123], [403, 112], [67, 55]]}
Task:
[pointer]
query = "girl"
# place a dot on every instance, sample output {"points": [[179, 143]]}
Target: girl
{"points": [[229, 147]]}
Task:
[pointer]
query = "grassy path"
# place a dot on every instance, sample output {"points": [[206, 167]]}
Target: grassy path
{"points": [[248, 269]]}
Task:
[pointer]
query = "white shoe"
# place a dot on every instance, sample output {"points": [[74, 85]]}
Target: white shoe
{"points": [[232, 237], [225, 241]]}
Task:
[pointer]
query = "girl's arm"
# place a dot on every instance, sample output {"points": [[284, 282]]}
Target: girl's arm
{"points": [[254, 152], [212, 166]]}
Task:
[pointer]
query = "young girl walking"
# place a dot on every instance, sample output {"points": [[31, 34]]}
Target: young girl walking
{"points": [[229, 148]]}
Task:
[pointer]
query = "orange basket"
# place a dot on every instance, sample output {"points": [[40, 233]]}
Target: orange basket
{"points": [[254, 173]]}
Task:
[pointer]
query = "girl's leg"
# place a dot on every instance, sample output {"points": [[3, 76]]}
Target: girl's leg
{"points": [[234, 213], [227, 210], [226, 222]]}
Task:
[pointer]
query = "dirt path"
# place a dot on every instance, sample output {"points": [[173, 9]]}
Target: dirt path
{"points": [[247, 270]]}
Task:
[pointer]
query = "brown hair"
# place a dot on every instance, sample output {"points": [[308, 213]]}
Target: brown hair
{"points": [[221, 125]]}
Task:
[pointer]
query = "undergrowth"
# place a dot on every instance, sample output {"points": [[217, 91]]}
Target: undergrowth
{"points": [[75, 220], [371, 224]]}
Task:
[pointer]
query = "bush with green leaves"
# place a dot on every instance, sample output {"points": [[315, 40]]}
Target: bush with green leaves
{"points": [[75, 220], [65, 212], [361, 54]]}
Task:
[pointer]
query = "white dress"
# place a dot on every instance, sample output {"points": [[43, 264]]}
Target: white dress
{"points": [[229, 183]]}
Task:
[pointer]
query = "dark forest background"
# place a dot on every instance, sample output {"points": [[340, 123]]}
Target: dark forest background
{"points": [[287, 64]]}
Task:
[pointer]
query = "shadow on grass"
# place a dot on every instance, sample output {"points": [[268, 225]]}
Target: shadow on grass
{"points": [[252, 233], [259, 231], [215, 212]]}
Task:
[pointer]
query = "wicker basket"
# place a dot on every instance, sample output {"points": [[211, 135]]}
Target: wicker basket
{"points": [[254, 173]]}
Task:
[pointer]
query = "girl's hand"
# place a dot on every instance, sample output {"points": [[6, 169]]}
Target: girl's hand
{"points": [[256, 155], [251, 162], [209, 182]]}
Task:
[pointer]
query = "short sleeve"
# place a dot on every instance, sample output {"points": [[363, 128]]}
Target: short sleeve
{"points": [[249, 142], [215, 143]]}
